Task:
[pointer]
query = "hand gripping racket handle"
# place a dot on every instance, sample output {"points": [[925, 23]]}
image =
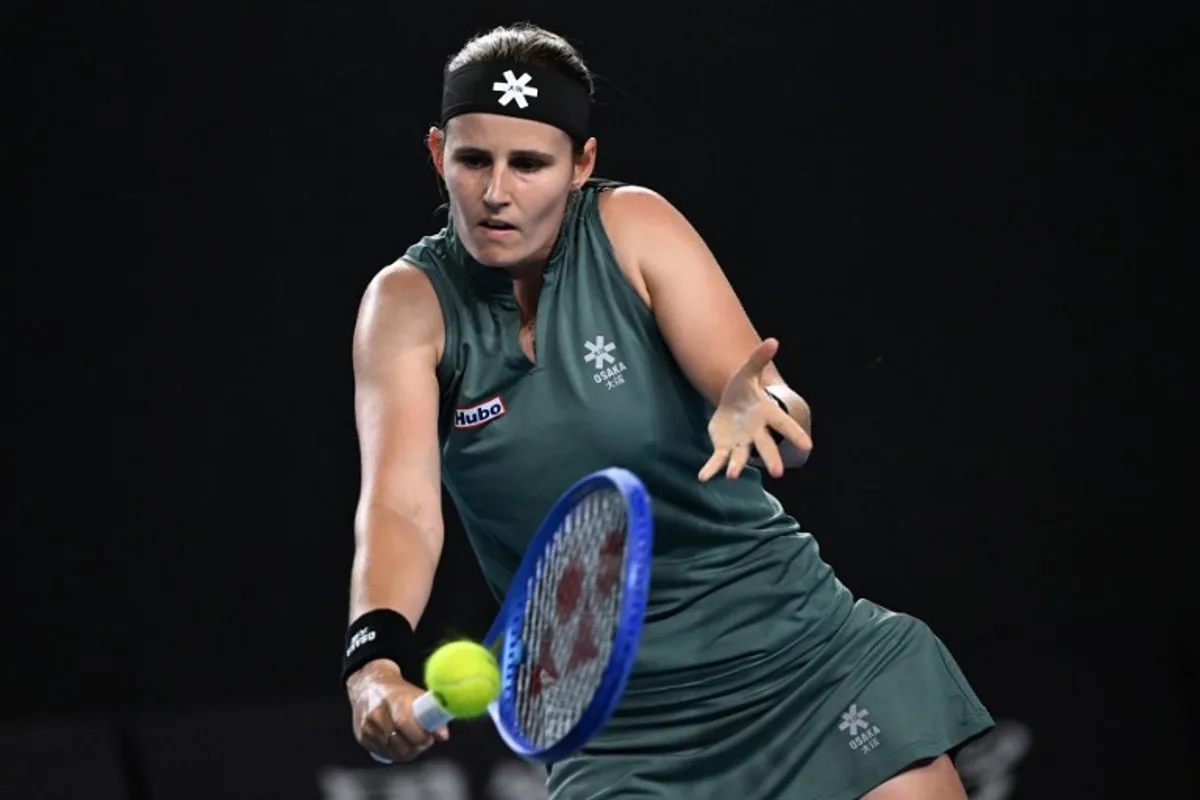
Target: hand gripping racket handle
{"points": [[428, 714]]}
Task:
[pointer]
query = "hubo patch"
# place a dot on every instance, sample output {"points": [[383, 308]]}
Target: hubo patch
{"points": [[480, 414]]}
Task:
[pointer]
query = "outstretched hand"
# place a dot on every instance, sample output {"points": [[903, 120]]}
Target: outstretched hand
{"points": [[745, 418]]}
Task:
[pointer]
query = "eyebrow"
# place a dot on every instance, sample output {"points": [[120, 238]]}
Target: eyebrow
{"points": [[468, 150]]}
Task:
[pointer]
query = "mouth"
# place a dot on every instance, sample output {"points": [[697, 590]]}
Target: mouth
{"points": [[497, 225]]}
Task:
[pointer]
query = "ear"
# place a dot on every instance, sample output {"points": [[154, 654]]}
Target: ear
{"points": [[584, 164], [436, 142]]}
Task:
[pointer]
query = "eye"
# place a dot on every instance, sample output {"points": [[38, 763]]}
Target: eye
{"points": [[526, 164], [473, 160]]}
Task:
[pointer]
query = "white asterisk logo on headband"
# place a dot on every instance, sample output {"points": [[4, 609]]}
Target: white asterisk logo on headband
{"points": [[515, 88]]}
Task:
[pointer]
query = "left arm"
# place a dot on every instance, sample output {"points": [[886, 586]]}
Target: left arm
{"points": [[700, 316]]}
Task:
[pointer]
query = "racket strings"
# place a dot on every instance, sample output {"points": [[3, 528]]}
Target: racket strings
{"points": [[570, 618]]}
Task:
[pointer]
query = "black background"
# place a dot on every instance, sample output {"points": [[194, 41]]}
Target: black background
{"points": [[958, 218]]}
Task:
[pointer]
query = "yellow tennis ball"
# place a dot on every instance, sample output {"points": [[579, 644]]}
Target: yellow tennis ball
{"points": [[464, 678]]}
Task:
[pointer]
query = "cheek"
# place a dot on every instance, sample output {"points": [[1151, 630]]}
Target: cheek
{"points": [[457, 182], [549, 204]]}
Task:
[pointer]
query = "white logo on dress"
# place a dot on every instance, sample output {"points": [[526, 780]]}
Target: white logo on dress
{"points": [[864, 736], [515, 88], [600, 353], [853, 719]]}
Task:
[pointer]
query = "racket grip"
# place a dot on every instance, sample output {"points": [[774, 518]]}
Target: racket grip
{"points": [[429, 714]]}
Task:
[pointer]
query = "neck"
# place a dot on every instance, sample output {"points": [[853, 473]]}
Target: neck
{"points": [[527, 278], [527, 288]]}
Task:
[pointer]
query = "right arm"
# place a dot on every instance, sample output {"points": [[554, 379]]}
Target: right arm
{"points": [[398, 525], [398, 341]]}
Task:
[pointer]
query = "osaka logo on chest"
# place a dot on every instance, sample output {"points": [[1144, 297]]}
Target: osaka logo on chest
{"points": [[609, 368], [480, 414]]}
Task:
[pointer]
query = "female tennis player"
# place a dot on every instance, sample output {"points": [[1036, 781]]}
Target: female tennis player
{"points": [[558, 325]]}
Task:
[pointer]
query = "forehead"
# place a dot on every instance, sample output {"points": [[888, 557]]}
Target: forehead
{"points": [[499, 133]]}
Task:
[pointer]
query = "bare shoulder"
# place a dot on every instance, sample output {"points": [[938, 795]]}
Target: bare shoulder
{"points": [[634, 214], [631, 215], [399, 311], [650, 235], [630, 199]]}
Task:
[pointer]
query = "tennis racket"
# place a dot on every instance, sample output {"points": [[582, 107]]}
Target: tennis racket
{"points": [[568, 629]]}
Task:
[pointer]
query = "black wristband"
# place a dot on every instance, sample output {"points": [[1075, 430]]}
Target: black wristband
{"points": [[381, 633]]}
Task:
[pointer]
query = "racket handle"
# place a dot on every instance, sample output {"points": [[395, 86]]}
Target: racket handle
{"points": [[429, 714]]}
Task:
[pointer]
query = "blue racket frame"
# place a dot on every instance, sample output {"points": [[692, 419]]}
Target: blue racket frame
{"points": [[639, 553]]}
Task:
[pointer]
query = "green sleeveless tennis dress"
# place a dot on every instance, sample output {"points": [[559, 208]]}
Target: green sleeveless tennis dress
{"points": [[759, 675]]}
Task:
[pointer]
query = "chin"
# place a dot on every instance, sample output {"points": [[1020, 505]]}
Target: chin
{"points": [[496, 257], [490, 254]]}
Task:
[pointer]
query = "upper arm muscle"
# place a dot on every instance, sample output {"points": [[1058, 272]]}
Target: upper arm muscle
{"points": [[397, 343], [700, 316]]}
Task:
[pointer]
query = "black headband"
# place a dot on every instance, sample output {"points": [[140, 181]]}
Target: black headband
{"points": [[527, 91]]}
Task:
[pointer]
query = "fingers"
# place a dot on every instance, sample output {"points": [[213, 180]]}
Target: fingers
{"points": [[389, 730], [396, 746], [403, 742], [791, 430], [377, 740], [714, 464], [408, 733], [737, 461], [734, 459], [385, 745], [768, 452], [760, 356], [395, 741]]}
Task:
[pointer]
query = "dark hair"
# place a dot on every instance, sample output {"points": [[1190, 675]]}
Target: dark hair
{"points": [[525, 43]]}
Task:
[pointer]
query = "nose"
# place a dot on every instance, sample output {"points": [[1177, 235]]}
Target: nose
{"points": [[495, 192]]}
